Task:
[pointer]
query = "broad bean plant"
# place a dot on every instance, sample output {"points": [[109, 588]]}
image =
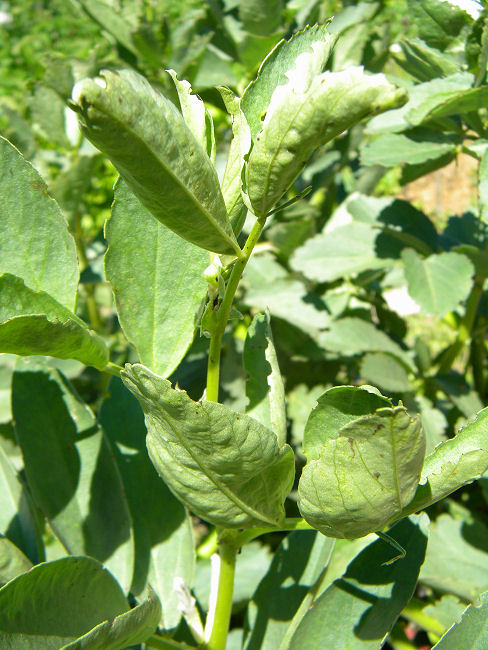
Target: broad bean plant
{"points": [[121, 494]]}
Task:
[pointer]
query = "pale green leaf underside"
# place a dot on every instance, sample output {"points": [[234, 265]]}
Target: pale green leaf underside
{"points": [[264, 387], [454, 463], [439, 282], [273, 69], [225, 466], [239, 147], [364, 476], [157, 279], [336, 408], [305, 114], [32, 322], [35, 243], [158, 156]]}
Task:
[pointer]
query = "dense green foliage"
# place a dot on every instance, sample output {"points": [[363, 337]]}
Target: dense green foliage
{"points": [[242, 376]]}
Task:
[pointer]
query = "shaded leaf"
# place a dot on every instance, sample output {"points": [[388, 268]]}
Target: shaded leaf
{"points": [[260, 18], [368, 599], [158, 156], [81, 493], [34, 240], [272, 614], [163, 537], [32, 322], [17, 520], [438, 23], [228, 468], [157, 279]]}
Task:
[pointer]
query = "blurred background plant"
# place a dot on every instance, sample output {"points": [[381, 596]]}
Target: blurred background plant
{"points": [[376, 277]]}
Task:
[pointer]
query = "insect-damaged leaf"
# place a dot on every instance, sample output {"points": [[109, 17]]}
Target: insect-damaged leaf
{"points": [[226, 467], [364, 463], [304, 109], [157, 155]]}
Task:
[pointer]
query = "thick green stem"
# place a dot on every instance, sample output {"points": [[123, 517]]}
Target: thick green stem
{"points": [[213, 370], [219, 618], [241, 538]]}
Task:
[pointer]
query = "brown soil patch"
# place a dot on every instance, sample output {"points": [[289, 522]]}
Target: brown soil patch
{"points": [[447, 191]]}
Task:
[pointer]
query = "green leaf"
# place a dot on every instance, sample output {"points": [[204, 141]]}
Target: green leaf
{"points": [[125, 630], [350, 336], [278, 603], [158, 156], [34, 240], [438, 23], [47, 111], [424, 62], [264, 387], [157, 280], [195, 114], [336, 408], [57, 602], [81, 493], [269, 286], [226, 467], [457, 557], [471, 632], [12, 561], [307, 112], [438, 283], [239, 147], [423, 98], [454, 463], [346, 251], [111, 21], [369, 597], [384, 371], [17, 520], [32, 322], [272, 71], [163, 537], [392, 149], [260, 18], [483, 186], [363, 463]]}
